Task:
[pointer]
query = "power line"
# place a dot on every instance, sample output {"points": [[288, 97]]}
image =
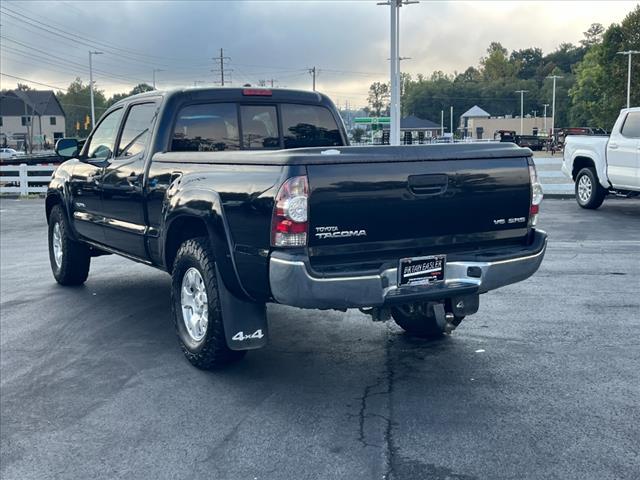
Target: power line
{"points": [[84, 38], [67, 58], [30, 81], [63, 61]]}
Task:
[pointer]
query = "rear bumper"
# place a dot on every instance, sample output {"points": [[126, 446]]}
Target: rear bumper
{"points": [[293, 283]]}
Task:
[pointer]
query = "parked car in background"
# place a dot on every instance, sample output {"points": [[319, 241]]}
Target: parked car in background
{"points": [[8, 154], [534, 142], [600, 165]]}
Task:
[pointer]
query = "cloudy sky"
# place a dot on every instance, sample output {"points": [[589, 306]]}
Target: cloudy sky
{"points": [[347, 41]]}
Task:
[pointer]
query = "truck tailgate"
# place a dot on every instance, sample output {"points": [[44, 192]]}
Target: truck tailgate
{"points": [[388, 210]]}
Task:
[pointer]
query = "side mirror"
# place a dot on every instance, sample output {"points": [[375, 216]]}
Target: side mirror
{"points": [[67, 148]]}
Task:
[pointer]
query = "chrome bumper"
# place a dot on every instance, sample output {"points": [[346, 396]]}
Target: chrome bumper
{"points": [[292, 283]]}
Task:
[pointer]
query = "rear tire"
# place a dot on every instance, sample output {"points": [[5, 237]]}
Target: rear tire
{"points": [[70, 260], [196, 308], [589, 193], [415, 322]]}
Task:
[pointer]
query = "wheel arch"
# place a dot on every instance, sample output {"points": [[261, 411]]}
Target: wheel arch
{"points": [[52, 199], [580, 162], [194, 213], [181, 229]]}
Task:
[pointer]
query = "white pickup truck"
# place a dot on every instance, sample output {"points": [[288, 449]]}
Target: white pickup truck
{"points": [[600, 165]]}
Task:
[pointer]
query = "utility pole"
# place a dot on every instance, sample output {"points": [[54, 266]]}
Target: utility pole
{"points": [[154, 76], [441, 123], [312, 71], [553, 104], [93, 110], [521, 92], [451, 112], [629, 53], [394, 107], [221, 59], [545, 105]]}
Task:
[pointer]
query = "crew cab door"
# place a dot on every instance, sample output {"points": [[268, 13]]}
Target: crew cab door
{"points": [[122, 182], [623, 153], [85, 186]]}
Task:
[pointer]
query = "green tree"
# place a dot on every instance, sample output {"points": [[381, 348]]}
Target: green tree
{"points": [[140, 88], [527, 62], [76, 103], [496, 64], [601, 77], [378, 99], [593, 35]]}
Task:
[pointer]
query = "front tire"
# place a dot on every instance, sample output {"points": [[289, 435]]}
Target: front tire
{"points": [[196, 307], [70, 260], [589, 193]]}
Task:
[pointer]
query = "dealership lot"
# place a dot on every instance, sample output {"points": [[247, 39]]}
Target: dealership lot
{"points": [[543, 382]]}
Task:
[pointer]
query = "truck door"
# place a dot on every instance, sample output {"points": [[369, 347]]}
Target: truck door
{"points": [[85, 186], [623, 154], [122, 183]]}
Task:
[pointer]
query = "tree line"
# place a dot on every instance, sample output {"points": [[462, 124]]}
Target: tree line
{"points": [[76, 103], [591, 92]]}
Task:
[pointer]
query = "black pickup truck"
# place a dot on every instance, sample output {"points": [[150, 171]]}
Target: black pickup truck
{"points": [[248, 196]]}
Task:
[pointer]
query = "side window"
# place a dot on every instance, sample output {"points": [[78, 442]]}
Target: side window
{"points": [[309, 126], [136, 131], [104, 136], [259, 126], [631, 127], [206, 128]]}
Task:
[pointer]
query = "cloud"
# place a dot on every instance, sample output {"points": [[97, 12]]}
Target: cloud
{"points": [[346, 40]]}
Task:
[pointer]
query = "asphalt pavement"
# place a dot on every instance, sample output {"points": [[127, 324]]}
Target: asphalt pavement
{"points": [[542, 383]]}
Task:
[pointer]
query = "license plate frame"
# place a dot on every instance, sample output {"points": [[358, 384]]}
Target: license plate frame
{"points": [[427, 270]]}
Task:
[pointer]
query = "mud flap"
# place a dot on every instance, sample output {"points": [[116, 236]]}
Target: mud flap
{"points": [[245, 323]]}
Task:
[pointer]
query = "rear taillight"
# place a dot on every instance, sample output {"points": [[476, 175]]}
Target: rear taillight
{"points": [[536, 195], [289, 225]]}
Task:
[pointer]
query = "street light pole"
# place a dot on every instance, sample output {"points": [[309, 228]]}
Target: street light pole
{"points": [[93, 110], [394, 69], [553, 104], [545, 105], [521, 92], [154, 76], [629, 53], [451, 111]]}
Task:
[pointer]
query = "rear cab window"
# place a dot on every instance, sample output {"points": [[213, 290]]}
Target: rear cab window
{"points": [[208, 127], [230, 126], [259, 126], [309, 126]]}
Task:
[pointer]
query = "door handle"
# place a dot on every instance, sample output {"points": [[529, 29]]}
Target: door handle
{"points": [[613, 146], [428, 185]]}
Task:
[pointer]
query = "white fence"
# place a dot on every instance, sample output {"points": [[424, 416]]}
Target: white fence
{"points": [[25, 179]]}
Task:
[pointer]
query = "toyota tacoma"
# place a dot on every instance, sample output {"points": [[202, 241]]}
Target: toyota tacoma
{"points": [[249, 196]]}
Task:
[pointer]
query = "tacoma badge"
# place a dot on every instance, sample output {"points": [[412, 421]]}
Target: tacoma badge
{"points": [[333, 232]]}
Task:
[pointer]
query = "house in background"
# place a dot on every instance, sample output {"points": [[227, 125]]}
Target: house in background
{"points": [[416, 130], [34, 117], [478, 124]]}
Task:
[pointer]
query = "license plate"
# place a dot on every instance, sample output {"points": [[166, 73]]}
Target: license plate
{"points": [[421, 270]]}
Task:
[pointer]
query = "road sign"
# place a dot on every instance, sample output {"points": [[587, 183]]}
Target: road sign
{"points": [[373, 120]]}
